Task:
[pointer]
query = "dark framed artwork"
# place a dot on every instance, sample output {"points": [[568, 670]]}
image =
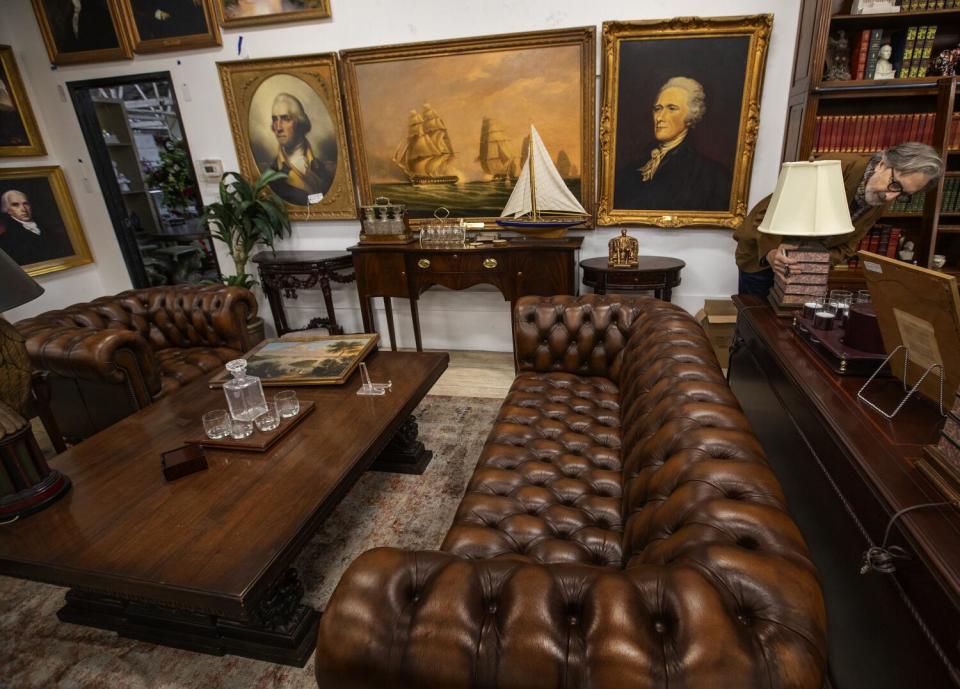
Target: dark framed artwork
{"points": [[156, 26], [234, 13], [446, 123], [19, 134], [77, 31], [39, 226], [285, 115], [679, 119]]}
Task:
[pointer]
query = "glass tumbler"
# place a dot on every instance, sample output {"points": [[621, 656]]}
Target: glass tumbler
{"points": [[216, 424], [268, 420], [287, 403], [241, 429], [863, 297]]}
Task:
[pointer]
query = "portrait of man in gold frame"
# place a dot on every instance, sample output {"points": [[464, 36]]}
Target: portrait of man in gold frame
{"points": [[19, 134], [447, 123], [679, 119], [84, 31], [156, 27], [39, 226], [235, 13], [285, 115]]}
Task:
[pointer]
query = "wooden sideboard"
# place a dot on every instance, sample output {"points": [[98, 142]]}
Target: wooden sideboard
{"points": [[845, 471], [518, 268]]}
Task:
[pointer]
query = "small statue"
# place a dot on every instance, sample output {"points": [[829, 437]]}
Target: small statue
{"points": [[623, 251], [837, 67], [884, 68]]}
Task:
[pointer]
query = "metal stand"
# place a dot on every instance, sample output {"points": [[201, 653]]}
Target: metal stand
{"points": [[906, 358]]}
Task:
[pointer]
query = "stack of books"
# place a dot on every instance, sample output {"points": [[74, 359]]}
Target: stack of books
{"points": [[881, 239], [928, 5], [809, 279], [912, 51], [871, 133]]}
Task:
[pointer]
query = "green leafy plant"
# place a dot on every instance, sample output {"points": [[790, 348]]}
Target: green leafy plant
{"points": [[247, 215], [174, 177]]}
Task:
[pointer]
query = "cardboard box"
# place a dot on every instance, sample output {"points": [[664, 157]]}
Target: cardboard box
{"points": [[718, 317]]}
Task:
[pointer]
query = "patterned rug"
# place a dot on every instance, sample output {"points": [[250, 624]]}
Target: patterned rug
{"points": [[38, 651]]}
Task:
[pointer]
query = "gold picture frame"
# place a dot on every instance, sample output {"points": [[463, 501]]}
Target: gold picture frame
{"points": [[691, 166], [143, 42], [64, 245], [311, 83], [17, 116], [508, 82], [228, 20], [86, 40]]}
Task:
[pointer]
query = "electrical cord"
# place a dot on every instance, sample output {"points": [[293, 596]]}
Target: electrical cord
{"points": [[881, 558]]}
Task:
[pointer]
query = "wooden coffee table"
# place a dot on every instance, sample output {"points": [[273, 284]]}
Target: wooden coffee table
{"points": [[203, 562]]}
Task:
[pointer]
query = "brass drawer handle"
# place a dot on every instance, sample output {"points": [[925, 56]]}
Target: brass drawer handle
{"points": [[424, 263], [489, 263]]}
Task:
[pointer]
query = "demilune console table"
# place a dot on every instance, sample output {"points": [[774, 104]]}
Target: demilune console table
{"points": [[518, 268]]}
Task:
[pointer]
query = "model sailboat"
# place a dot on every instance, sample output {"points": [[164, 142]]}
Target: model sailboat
{"points": [[427, 153], [541, 202]]}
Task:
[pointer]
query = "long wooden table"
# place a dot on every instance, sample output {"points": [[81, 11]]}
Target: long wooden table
{"points": [[203, 562]]}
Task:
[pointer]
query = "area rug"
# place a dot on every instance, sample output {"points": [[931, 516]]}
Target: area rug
{"points": [[37, 651]]}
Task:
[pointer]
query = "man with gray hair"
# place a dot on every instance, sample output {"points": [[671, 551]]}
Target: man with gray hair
{"points": [[307, 174], [871, 184], [676, 176], [23, 238]]}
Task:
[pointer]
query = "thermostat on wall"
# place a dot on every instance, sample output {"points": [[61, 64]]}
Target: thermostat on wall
{"points": [[212, 170]]}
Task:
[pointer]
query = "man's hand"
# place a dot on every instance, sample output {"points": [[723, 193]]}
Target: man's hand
{"points": [[781, 263]]}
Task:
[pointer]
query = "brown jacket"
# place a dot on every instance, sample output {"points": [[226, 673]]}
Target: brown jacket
{"points": [[752, 245]]}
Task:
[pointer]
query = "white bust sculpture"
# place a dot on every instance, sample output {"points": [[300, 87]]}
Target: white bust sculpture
{"points": [[884, 68]]}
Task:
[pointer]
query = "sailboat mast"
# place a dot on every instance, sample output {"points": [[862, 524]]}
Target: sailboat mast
{"points": [[533, 179]]}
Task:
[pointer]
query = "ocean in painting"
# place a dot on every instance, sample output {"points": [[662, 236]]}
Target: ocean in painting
{"points": [[465, 199]]}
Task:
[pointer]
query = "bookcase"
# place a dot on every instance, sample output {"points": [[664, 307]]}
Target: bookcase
{"points": [[861, 114]]}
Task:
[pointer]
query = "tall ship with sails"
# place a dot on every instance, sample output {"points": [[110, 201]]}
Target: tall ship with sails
{"points": [[541, 203], [426, 154], [496, 158]]}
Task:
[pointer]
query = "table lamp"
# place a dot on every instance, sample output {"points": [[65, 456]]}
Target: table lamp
{"points": [[27, 484], [809, 203]]}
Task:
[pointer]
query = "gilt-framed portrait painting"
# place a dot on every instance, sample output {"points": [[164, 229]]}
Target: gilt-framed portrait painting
{"points": [[447, 123], [679, 119], [234, 13], [78, 31], [156, 26], [19, 134], [285, 115], [39, 225]]}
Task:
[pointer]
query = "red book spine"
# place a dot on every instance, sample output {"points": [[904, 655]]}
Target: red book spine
{"points": [[858, 134]]}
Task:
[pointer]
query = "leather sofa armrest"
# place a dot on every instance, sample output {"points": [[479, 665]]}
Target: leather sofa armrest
{"points": [[412, 619], [211, 315]]}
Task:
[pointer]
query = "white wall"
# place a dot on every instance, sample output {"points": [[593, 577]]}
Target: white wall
{"points": [[476, 319]]}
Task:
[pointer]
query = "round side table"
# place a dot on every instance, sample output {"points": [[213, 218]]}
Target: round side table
{"points": [[657, 273]]}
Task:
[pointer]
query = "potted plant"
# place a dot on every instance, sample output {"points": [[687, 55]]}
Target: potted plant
{"points": [[247, 215]]}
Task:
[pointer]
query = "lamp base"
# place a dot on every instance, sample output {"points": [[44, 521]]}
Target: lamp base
{"points": [[27, 484], [807, 279]]}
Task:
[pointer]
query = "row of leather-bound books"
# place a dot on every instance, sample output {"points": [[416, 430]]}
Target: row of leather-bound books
{"points": [[869, 133]]}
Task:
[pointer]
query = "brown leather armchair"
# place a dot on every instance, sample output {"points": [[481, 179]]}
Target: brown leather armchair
{"points": [[117, 354], [622, 530]]}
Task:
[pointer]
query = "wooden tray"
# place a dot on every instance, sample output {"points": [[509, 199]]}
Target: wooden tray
{"points": [[259, 441]]}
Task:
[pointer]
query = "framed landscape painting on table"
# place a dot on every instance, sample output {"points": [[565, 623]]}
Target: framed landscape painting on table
{"points": [[285, 115], [679, 119], [77, 31], [257, 12], [19, 134], [447, 123], [39, 226], [158, 26]]}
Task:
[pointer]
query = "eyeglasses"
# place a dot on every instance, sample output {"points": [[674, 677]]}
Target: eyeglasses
{"points": [[894, 185]]}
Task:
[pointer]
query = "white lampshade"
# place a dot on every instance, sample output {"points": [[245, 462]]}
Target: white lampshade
{"points": [[809, 201]]}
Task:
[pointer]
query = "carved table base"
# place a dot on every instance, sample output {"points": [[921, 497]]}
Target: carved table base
{"points": [[281, 629], [404, 454]]}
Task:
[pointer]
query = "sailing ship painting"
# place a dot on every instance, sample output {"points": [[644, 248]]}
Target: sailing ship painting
{"points": [[426, 155], [495, 158], [541, 203]]}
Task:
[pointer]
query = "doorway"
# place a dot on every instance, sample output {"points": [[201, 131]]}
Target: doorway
{"points": [[134, 132]]}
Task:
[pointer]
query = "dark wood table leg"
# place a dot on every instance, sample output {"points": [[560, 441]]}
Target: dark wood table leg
{"points": [[276, 305], [667, 293], [365, 314], [415, 316], [404, 454], [388, 311], [280, 629], [332, 327]]}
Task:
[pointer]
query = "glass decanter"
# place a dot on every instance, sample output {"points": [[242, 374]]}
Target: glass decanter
{"points": [[244, 393]]}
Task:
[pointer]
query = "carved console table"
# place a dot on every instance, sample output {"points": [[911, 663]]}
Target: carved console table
{"points": [[518, 268], [657, 273], [282, 273]]}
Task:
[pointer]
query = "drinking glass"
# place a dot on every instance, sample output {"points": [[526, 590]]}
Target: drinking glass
{"points": [[863, 297], [241, 429], [268, 420], [287, 403], [216, 424]]}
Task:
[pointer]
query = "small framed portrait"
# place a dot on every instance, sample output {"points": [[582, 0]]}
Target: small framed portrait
{"points": [[257, 12], [157, 26], [680, 113], [39, 227], [19, 135], [285, 115], [77, 31]]}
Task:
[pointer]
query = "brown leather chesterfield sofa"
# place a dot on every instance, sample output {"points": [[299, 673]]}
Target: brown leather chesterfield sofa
{"points": [[118, 354], [622, 529]]}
